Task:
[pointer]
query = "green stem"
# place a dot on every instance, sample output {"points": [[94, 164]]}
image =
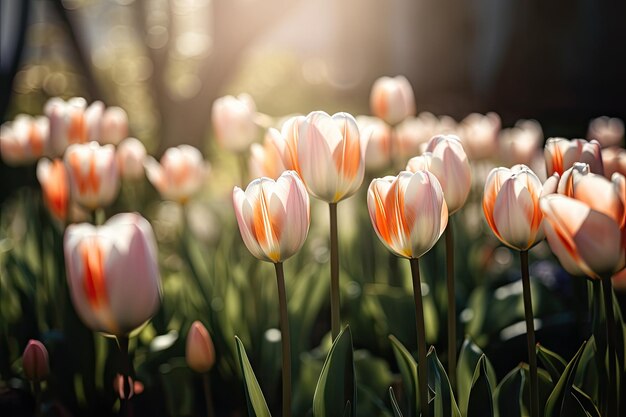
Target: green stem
{"points": [[334, 273], [99, 216], [285, 339], [126, 371], [530, 336], [607, 289], [243, 168], [206, 382], [37, 393], [451, 306], [422, 372]]}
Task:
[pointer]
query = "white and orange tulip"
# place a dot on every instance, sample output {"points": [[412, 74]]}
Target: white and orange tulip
{"points": [[614, 160], [24, 140], [521, 143], [560, 155], [266, 160], [54, 181], [479, 134], [199, 350], [131, 155], [392, 99], [378, 152], [408, 212], [68, 124], [290, 131], [113, 126], [330, 155], [609, 131], [113, 273], [234, 122], [273, 216]]}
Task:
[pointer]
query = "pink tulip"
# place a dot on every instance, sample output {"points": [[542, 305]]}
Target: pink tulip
{"points": [[233, 121], [520, 144], [330, 155], [266, 160], [479, 134], [377, 154], [35, 361], [392, 99], [199, 353], [67, 123], [93, 173], [586, 242], [180, 175], [131, 155], [113, 126], [24, 140], [273, 216], [609, 131], [560, 155], [113, 273], [53, 178], [408, 212]]}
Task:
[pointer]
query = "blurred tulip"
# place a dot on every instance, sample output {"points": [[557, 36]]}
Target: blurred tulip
{"points": [[609, 131], [479, 134], [180, 174], [67, 123], [330, 155], [408, 212], [614, 160], [288, 149], [560, 155], [392, 99], [266, 160], [93, 173], [446, 158], [53, 178], [377, 153], [35, 361], [118, 386], [93, 121], [113, 126], [587, 242], [113, 273], [273, 216], [233, 121], [24, 140], [131, 155], [511, 205], [411, 136], [199, 353], [520, 144]]}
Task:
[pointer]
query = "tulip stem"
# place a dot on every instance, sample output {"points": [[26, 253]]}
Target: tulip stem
{"points": [[206, 382], [126, 367], [99, 216], [37, 393], [607, 289], [451, 305], [530, 336], [422, 366], [334, 273], [284, 339], [243, 168]]}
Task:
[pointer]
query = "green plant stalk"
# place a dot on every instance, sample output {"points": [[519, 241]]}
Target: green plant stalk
{"points": [[530, 336], [208, 398], [284, 339], [451, 305], [243, 168], [37, 393], [126, 371], [607, 289], [334, 273], [99, 216], [422, 366]]}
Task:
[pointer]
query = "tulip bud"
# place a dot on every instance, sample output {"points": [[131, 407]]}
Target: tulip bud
{"points": [[519, 144], [480, 135], [560, 155], [200, 354], [266, 161], [180, 174], [131, 155], [24, 140], [114, 125], [233, 121], [53, 178], [273, 216], [113, 274], [35, 361], [609, 131], [67, 122], [392, 99]]}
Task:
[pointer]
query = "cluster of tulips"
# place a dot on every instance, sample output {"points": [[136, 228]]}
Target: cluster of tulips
{"points": [[84, 153]]}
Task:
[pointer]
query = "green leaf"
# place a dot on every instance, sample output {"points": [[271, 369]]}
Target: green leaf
{"points": [[480, 403], [585, 402], [508, 394], [394, 404], [257, 407], [552, 362], [444, 402], [336, 388], [468, 360], [563, 389], [408, 371]]}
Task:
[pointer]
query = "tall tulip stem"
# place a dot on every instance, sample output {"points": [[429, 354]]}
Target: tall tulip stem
{"points": [[285, 339], [37, 394], [530, 336], [607, 289], [126, 371], [451, 305], [422, 366], [208, 398], [334, 273]]}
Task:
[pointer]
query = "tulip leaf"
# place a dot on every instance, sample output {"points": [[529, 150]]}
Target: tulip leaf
{"points": [[508, 396], [468, 360], [585, 402], [335, 392], [552, 362], [444, 402], [257, 407], [480, 402], [408, 371], [563, 389], [587, 372], [394, 404]]}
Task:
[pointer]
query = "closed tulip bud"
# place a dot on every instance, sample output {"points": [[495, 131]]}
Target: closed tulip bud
{"points": [[266, 160], [53, 178], [114, 126], [180, 174], [377, 153], [24, 140], [131, 155], [511, 205], [480, 135], [67, 122], [93, 173], [586, 242], [408, 212], [614, 160], [520, 144], [35, 361], [113, 274], [392, 99], [233, 121], [609, 131], [330, 155], [199, 353], [273, 216], [560, 155]]}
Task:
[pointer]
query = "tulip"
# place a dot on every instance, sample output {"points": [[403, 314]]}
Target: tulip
{"points": [[288, 149], [93, 121], [266, 160], [392, 99], [52, 176], [114, 125], [180, 174], [35, 361], [93, 173], [519, 144], [199, 353], [609, 131], [560, 155], [131, 155], [614, 160], [480, 135], [24, 140], [378, 151], [67, 122], [233, 121], [113, 273]]}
